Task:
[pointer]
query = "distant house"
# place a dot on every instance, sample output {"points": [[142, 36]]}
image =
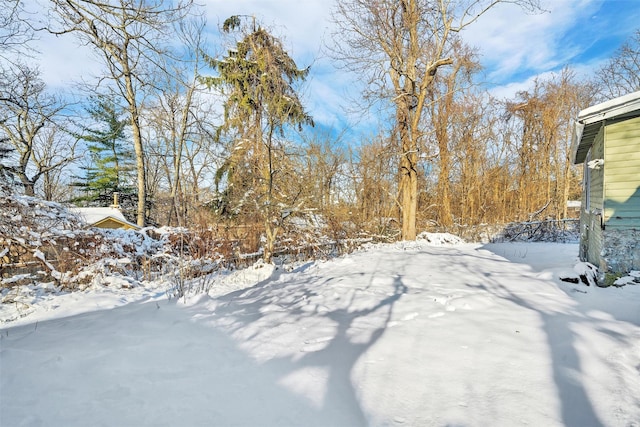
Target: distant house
{"points": [[573, 208], [607, 141], [110, 217]]}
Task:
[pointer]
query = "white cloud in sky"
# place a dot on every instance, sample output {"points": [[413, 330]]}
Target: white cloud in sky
{"points": [[509, 90], [302, 25], [513, 46], [63, 61], [511, 41], [323, 95]]}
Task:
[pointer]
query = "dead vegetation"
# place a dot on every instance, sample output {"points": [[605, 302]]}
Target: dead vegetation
{"points": [[43, 242]]}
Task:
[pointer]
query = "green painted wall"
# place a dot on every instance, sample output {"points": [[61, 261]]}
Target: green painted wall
{"points": [[622, 174], [612, 198], [592, 217]]}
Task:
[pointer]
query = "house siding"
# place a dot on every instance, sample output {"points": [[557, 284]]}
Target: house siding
{"points": [[621, 238], [622, 170], [112, 223], [591, 218]]}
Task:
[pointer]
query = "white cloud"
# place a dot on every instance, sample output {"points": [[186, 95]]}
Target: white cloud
{"points": [[64, 61], [509, 90], [302, 25], [512, 41], [514, 46]]}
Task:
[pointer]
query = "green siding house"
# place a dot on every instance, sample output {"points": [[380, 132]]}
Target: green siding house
{"points": [[606, 141]]}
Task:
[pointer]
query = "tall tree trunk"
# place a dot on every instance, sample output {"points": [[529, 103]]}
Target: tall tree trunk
{"points": [[409, 192], [181, 138], [139, 150], [140, 169], [446, 219], [408, 171], [29, 187]]}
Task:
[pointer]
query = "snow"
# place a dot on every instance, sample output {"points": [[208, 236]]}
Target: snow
{"points": [[632, 279], [428, 333], [95, 214]]}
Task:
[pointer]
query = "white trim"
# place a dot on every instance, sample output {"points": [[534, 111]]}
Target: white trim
{"points": [[578, 128], [609, 109]]}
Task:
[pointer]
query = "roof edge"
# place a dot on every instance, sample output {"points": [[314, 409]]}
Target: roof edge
{"points": [[576, 136], [118, 220], [609, 109]]}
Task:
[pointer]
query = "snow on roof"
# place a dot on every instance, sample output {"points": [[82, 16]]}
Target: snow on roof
{"points": [[611, 108], [590, 119], [95, 215]]}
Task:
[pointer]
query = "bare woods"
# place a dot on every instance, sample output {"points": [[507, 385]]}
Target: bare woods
{"points": [[214, 132]]}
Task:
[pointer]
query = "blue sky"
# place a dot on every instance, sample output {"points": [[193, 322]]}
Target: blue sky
{"points": [[514, 47]]}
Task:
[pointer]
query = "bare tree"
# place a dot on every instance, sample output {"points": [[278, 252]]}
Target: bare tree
{"points": [[473, 150], [30, 121], [399, 45], [443, 111], [15, 33], [322, 161], [128, 35], [55, 152], [177, 115], [542, 143], [621, 74], [375, 184]]}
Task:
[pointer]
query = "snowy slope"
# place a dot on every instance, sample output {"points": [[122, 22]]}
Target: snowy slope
{"points": [[409, 334]]}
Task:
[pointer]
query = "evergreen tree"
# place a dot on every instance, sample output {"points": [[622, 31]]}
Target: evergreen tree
{"points": [[257, 79], [111, 161]]}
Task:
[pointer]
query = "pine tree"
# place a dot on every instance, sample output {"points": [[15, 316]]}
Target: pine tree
{"points": [[111, 161], [257, 79]]}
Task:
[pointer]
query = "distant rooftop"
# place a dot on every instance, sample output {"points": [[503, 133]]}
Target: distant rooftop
{"points": [[95, 216], [591, 119]]}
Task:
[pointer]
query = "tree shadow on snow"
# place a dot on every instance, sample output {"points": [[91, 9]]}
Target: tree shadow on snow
{"points": [[576, 406], [346, 333], [559, 327], [141, 364]]}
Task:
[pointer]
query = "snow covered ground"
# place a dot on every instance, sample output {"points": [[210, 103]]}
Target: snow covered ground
{"points": [[409, 334]]}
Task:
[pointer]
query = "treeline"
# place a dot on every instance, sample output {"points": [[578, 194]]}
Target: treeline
{"points": [[192, 138]]}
